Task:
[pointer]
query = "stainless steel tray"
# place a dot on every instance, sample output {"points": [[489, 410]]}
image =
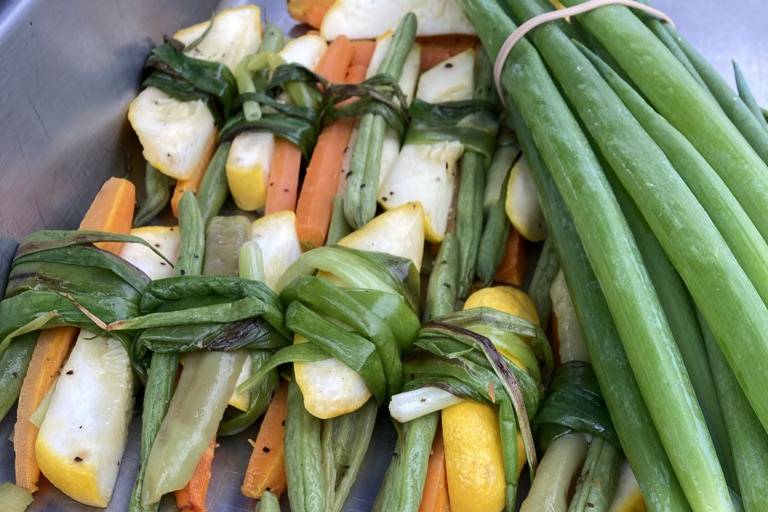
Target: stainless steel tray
{"points": [[69, 70]]}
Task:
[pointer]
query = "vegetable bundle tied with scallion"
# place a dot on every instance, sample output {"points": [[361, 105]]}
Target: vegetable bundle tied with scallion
{"points": [[361, 309]]}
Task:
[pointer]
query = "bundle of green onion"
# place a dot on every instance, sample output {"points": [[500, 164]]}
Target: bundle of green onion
{"points": [[658, 186]]}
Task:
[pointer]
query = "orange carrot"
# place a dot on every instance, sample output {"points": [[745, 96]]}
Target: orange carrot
{"points": [[193, 183], [335, 61], [435, 49], [266, 468], [313, 212], [362, 51], [435, 495], [192, 497], [111, 210], [286, 162], [513, 264], [311, 12], [283, 177]]}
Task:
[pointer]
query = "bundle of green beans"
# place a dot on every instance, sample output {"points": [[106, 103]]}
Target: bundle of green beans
{"points": [[365, 164]]}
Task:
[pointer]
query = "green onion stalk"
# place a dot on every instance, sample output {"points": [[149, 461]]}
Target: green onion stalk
{"points": [[677, 96], [732, 104], [365, 162], [671, 211], [365, 322], [632, 421]]}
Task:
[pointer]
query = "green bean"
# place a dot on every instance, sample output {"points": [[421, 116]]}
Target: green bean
{"points": [[543, 275], [214, 188], [13, 368], [599, 477], [469, 217], [404, 482], [339, 227], [157, 191], [443, 281], [190, 262], [345, 441], [746, 95], [260, 397], [508, 430], [161, 377], [268, 503], [365, 163], [493, 239], [157, 397], [307, 488]]}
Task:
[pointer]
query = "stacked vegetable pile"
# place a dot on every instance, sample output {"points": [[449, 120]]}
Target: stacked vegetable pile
{"points": [[361, 170]]}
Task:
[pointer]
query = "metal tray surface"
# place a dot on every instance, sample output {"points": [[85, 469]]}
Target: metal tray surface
{"points": [[69, 70]]}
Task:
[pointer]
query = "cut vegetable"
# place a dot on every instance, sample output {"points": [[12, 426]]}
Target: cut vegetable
{"points": [[248, 168], [436, 49], [13, 498], [435, 495], [571, 346], [522, 205], [628, 497], [284, 178], [313, 211], [557, 473], [266, 467], [276, 237], [177, 137], [473, 457], [81, 439], [236, 32], [450, 80], [306, 50], [399, 232], [514, 263], [409, 405], [427, 172], [165, 239], [359, 19], [193, 496], [111, 211]]}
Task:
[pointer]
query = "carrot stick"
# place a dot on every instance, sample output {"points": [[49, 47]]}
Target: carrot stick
{"points": [[283, 177], [435, 495], [266, 468], [111, 210], [313, 212], [362, 51], [192, 497], [193, 183], [513, 264], [335, 61], [286, 162], [435, 49], [310, 12]]}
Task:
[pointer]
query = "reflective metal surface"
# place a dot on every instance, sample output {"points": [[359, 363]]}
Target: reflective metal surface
{"points": [[69, 70]]}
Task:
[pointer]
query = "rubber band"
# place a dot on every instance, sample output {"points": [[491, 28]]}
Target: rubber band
{"points": [[521, 31]]}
